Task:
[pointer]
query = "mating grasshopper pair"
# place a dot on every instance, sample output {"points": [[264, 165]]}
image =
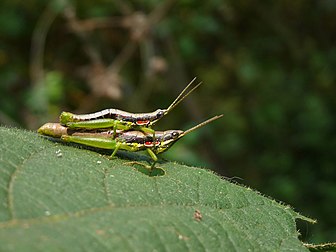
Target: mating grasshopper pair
{"points": [[119, 130]]}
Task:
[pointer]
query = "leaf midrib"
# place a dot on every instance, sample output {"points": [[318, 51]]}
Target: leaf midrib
{"points": [[94, 210]]}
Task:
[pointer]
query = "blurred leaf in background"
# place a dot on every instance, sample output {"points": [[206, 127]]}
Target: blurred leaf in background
{"points": [[268, 66]]}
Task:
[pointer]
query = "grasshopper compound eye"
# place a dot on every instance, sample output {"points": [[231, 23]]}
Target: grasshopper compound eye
{"points": [[175, 134], [160, 114]]}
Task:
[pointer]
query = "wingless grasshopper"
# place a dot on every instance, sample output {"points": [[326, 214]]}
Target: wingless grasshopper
{"points": [[119, 119], [115, 129]]}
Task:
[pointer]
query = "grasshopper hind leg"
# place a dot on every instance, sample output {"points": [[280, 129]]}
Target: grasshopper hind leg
{"points": [[150, 170]]}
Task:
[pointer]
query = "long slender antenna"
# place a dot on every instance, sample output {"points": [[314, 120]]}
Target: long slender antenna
{"points": [[181, 96], [201, 125]]}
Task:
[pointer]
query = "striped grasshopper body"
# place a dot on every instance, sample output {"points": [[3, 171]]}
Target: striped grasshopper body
{"points": [[121, 120], [121, 140]]}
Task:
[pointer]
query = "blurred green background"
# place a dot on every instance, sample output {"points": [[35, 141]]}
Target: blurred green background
{"points": [[268, 66]]}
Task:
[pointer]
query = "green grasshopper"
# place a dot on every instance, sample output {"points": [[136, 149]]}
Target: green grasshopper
{"points": [[123, 140], [119, 119]]}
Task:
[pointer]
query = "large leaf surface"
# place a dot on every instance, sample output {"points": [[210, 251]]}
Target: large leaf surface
{"points": [[60, 198]]}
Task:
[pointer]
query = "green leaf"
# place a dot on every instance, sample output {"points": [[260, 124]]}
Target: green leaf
{"points": [[56, 197]]}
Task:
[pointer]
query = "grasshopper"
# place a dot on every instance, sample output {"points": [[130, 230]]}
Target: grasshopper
{"points": [[123, 140], [119, 119]]}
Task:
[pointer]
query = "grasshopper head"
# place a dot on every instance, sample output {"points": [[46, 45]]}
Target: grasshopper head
{"points": [[149, 119], [165, 139], [160, 113]]}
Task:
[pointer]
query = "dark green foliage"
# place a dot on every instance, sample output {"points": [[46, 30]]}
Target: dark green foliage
{"points": [[268, 66]]}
